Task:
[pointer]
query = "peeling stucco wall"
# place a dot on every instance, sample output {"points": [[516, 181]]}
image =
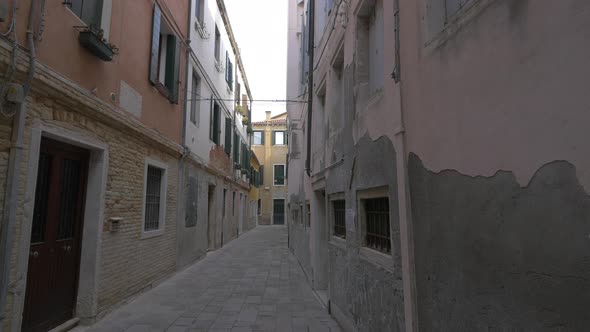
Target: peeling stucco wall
{"points": [[492, 255]]}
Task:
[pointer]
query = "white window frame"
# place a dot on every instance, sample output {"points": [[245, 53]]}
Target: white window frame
{"points": [[274, 137], [375, 257], [105, 20], [261, 137], [284, 175], [163, 199]]}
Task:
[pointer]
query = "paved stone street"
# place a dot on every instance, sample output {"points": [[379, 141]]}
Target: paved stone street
{"points": [[252, 284]]}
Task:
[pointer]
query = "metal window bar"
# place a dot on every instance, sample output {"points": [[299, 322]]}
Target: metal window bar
{"points": [[339, 218], [69, 199], [377, 233], [152, 198]]}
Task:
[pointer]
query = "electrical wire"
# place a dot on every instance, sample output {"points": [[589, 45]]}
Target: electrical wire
{"points": [[201, 98]]}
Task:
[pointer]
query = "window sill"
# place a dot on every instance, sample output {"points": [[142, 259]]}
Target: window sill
{"points": [[377, 258], [338, 242], [151, 234]]}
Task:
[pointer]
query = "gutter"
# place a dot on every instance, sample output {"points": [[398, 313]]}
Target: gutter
{"points": [[181, 206], [16, 150], [310, 83]]}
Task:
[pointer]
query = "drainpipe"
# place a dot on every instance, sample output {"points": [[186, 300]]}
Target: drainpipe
{"points": [[310, 83], [16, 150], [181, 207], [406, 225]]}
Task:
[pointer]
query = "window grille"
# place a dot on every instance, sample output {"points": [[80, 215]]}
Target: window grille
{"points": [[339, 208], [152, 198], [377, 235]]}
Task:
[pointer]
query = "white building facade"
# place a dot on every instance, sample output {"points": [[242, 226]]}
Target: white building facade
{"points": [[218, 107]]}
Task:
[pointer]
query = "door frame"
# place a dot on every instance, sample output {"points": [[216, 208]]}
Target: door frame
{"points": [[87, 295]]}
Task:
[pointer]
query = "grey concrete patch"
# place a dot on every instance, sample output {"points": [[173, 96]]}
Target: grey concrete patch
{"points": [[496, 256]]}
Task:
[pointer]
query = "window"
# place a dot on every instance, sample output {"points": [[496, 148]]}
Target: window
{"points": [[279, 175], [154, 198], [237, 148], [376, 227], [258, 137], [217, 43], [192, 198], [215, 122], [233, 204], [89, 11], [229, 71], [164, 57], [224, 200], [200, 11], [259, 207], [339, 212], [376, 50], [195, 98], [308, 213], [279, 138], [228, 126]]}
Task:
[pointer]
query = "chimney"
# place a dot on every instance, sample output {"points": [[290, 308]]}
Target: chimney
{"points": [[267, 115]]}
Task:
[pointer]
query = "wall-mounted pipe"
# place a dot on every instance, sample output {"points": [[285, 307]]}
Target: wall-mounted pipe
{"points": [[15, 157], [311, 46]]}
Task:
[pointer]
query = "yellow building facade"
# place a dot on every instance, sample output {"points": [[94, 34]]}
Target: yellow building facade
{"points": [[270, 145]]}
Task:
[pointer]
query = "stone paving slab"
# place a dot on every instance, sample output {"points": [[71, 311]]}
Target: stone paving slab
{"points": [[252, 284]]}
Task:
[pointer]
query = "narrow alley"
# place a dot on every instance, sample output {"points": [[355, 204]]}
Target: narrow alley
{"points": [[252, 284]]}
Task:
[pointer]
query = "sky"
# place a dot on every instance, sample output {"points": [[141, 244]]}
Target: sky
{"points": [[260, 28]]}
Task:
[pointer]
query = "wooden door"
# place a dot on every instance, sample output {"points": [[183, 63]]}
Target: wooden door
{"points": [[278, 211], [54, 256]]}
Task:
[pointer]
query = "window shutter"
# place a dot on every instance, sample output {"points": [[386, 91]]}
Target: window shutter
{"points": [[91, 12], [217, 124], [263, 137], [172, 67], [236, 148], [227, 136], [286, 136], [153, 74], [211, 121], [261, 174], [272, 133], [226, 67]]}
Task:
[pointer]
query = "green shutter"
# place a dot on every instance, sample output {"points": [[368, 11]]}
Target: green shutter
{"points": [[286, 137], [91, 12], [153, 73], [236, 148], [227, 136], [272, 134], [217, 124], [263, 136], [261, 175], [211, 120], [172, 67]]}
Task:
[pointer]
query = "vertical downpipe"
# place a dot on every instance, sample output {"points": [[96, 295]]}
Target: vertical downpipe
{"points": [[310, 83], [10, 203]]}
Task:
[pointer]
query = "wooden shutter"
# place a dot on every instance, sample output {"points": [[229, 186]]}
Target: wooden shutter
{"points": [[227, 67], [236, 148], [286, 137], [217, 123], [272, 133], [261, 174], [263, 136], [211, 121], [91, 12], [172, 67], [153, 73], [228, 136]]}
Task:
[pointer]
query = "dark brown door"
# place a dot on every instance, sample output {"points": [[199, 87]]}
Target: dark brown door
{"points": [[278, 211], [54, 256]]}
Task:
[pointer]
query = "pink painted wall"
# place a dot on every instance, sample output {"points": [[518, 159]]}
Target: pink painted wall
{"points": [[507, 91], [130, 31]]}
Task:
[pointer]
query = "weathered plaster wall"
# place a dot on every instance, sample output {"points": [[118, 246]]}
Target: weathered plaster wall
{"points": [[502, 88], [369, 293], [492, 255]]}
